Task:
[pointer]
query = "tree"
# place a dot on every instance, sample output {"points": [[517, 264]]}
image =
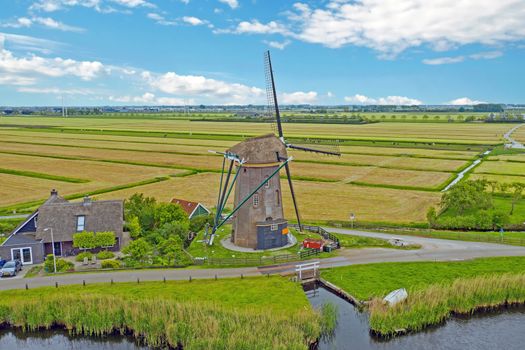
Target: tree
{"points": [[171, 249], [139, 250], [431, 217], [168, 213], [467, 196], [517, 192], [143, 208], [494, 185], [133, 227]]}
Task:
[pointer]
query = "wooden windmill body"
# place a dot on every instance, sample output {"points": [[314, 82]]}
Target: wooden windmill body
{"points": [[259, 223], [257, 217]]}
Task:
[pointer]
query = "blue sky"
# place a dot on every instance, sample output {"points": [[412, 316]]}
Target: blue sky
{"points": [[174, 52]]}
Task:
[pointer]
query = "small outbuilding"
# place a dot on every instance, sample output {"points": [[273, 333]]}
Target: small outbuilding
{"points": [[193, 209]]}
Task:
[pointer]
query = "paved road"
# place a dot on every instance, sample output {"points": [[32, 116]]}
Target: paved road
{"points": [[431, 250], [513, 143]]}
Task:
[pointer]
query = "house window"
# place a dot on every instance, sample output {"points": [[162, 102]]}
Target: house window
{"points": [[274, 227], [255, 200], [81, 220]]}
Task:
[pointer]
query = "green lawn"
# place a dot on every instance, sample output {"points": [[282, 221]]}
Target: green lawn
{"points": [[367, 281], [351, 241], [249, 313], [509, 237]]}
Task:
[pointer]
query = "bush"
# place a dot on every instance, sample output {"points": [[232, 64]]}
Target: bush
{"points": [[105, 254], [110, 264], [62, 265], [80, 257], [90, 240]]}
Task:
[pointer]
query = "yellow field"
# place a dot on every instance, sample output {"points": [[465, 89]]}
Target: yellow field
{"points": [[324, 200], [498, 178], [444, 132], [375, 165], [519, 134], [18, 189], [409, 151], [501, 167], [513, 157]]}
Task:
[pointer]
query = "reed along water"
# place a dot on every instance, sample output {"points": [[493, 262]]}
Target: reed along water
{"points": [[504, 329]]}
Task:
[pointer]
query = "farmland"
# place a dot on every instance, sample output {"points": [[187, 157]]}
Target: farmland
{"points": [[388, 172]]}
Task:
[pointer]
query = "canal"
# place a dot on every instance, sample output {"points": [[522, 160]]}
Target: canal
{"points": [[498, 330], [16, 339]]}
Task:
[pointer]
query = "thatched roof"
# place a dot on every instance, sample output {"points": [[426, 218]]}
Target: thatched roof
{"points": [[61, 216], [260, 150]]}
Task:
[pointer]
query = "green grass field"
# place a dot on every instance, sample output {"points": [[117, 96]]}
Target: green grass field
{"points": [[376, 280], [254, 313]]}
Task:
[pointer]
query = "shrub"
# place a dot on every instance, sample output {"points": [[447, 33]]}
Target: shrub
{"points": [[110, 264], [81, 256], [90, 240], [62, 265], [105, 254]]}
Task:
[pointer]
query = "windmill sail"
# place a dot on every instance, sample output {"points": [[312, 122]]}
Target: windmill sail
{"points": [[322, 146]]}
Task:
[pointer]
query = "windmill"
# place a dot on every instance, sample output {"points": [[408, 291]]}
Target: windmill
{"points": [[257, 218]]}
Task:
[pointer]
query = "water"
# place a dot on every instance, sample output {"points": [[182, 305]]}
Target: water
{"points": [[14, 339], [500, 330]]}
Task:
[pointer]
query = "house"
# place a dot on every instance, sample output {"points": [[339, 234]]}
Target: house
{"points": [[57, 220], [193, 209]]}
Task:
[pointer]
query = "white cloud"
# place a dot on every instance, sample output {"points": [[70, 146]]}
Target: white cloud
{"points": [[389, 100], [52, 67], [56, 5], [277, 44], [195, 85], [464, 101], [44, 21], [488, 55], [443, 60], [232, 3], [149, 98], [160, 19], [55, 91], [194, 21], [392, 26], [51, 23], [256, 27], [299, 97], [6, 79], [24, 42], [133, 3]]}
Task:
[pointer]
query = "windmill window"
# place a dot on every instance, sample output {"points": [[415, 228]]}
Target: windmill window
{"points": [[255, 200], [278, 197], [274, 227], [267, 184], [81, 221]]}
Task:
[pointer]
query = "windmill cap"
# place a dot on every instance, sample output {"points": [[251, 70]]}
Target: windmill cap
{"points": [[260, 150]]}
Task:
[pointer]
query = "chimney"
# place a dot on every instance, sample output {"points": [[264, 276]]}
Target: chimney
{"points": [[87, 201], [54, 193]]}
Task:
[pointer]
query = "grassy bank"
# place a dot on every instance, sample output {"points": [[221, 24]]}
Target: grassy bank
{"points": [[376, 280], [436, 303], [250, 313]]}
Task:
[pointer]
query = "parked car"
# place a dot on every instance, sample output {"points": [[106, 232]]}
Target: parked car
{"points": [[11, 268], [2, 262]]}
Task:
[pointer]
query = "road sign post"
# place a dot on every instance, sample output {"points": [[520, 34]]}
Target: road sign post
{"points": [[352, 218]]}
